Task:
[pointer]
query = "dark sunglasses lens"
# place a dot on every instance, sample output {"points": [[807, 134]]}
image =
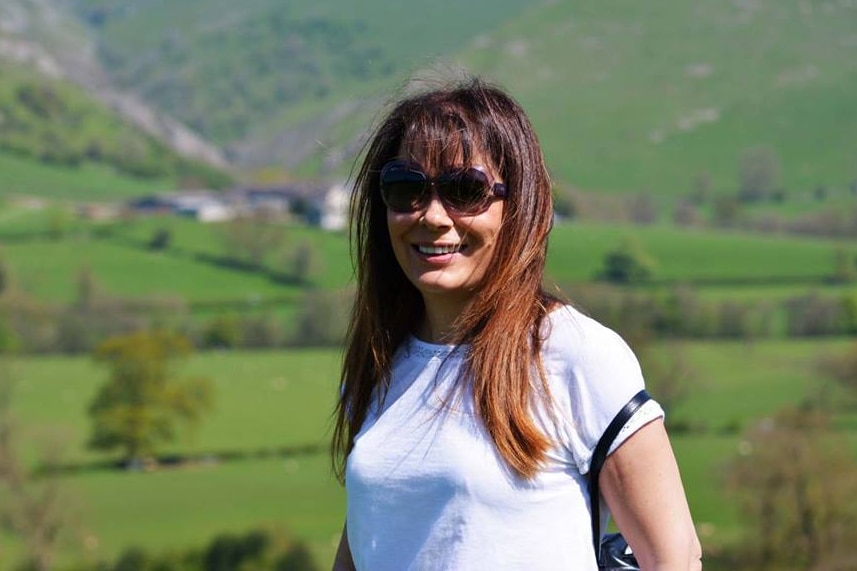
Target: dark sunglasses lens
{"points": [[466, 191], [402, 189]]}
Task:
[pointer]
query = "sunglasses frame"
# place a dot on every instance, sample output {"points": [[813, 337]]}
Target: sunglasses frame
{"points": [[492, 189]]}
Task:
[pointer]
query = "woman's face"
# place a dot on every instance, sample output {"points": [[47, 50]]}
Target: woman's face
{"points": [[443, 253]]}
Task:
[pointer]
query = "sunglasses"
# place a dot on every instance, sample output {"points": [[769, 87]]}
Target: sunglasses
{"points": [[405, 188]]}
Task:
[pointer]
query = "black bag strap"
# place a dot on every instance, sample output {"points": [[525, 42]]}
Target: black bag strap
{"points": [[598, 457]]}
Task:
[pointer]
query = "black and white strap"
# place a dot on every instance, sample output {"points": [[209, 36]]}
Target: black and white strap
{"points": [[600, 454]]}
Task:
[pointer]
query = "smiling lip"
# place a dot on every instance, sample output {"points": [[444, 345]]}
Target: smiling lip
{"points": [[437, 250]]}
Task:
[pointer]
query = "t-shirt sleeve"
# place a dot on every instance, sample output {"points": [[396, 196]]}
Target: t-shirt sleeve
{"points": [[599, 374]]}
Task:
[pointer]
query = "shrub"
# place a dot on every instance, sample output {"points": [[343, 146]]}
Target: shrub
{"points": [[813, 315], [322, 320], [222, 332], [628, 263], [759, 174], [794, 482], [266, 549]]}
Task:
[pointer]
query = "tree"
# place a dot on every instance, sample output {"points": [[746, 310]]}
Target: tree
{"points": [[841, 368], [5, 277], [758, 174], [160, 240], [628, 263], [844, 266], [36, 508], [142, 403], [247, 242], [322, 320], [685, 213], [93, 316], [223, 331], [88, 290], [567, 203], [304, 263], [58, 223], [669, 375], [642, 208], [794, 480], [726, 211], [267, 548], [813, 314], [702, 186]]}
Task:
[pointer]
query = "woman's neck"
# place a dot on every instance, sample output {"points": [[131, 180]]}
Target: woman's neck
{"points": [[438, 325]]}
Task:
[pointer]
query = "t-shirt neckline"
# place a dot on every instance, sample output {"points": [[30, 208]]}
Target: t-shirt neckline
{"points": [[416, 347]]}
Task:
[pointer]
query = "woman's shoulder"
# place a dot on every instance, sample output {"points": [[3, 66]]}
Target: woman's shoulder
{"points": [[581, 348], [571, 332], [592, 373]]}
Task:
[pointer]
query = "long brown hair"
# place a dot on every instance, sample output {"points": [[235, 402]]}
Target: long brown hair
{"points": [[500, 326]]}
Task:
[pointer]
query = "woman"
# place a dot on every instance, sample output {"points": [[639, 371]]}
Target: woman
{"points": [[471, 400]]}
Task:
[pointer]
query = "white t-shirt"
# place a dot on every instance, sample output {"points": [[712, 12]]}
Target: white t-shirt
{"points": [[427, 489]]}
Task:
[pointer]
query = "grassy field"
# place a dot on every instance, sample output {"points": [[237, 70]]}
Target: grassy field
{"points": [[577, 251], [28, 177], [270, 400], [124, 266], [267, 403], [265, 400], [48, 270], [720, 264]]}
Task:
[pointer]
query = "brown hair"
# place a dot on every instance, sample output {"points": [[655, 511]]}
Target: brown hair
{"points": [[500, 326]]}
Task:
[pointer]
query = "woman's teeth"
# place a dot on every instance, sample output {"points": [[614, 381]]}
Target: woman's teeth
{"points": [[438, 250]]}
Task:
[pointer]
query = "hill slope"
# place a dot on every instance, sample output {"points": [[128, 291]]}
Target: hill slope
{"points": [[627, 96], [57, 113], [268, 78], [631, 95]]}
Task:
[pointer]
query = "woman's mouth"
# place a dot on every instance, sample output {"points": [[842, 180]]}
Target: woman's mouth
{"points": [[434, 250]]}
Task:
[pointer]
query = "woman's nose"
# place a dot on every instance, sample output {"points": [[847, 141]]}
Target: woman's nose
{"points": [[435, 213]]}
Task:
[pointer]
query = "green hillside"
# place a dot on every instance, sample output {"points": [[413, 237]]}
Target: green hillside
{"points": [[631, 96], [626, 96], [22, 175], [57, 141], [228, 69], [731, 265]]}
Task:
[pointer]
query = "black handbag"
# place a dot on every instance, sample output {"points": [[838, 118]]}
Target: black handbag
{"points": [[611, 551]]}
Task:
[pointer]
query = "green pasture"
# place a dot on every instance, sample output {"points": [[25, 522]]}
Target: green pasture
{"points": [[181, 508], [270, 401], [576, 253], [28, 177], [48, 271], [119, 257], [265, 401], [721, 264], [190, 237], [178, 508], [735, 383], [268, 404]]}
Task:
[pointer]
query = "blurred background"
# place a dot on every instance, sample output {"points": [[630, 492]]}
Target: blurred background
{"points": [[175, 273]]}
